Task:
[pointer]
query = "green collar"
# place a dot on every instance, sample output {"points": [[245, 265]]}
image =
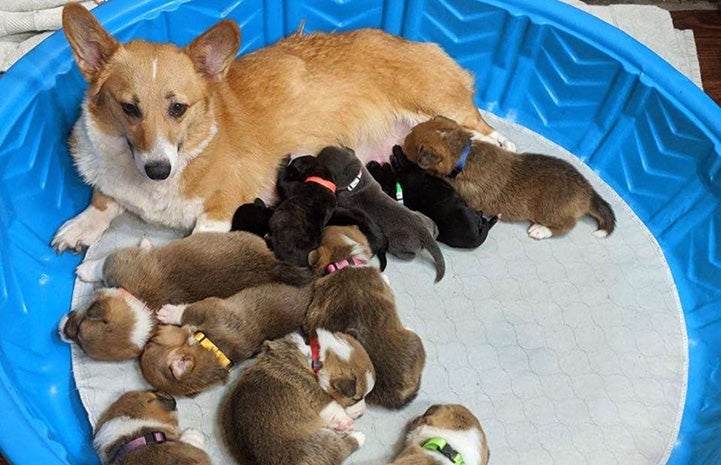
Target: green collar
{"points": [[442, 446]]}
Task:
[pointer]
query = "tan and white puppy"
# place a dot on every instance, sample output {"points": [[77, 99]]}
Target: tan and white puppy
{"points": [[356, 299], [182, 136], [115, 326], [217, 334], [141, 428], [445, 434], [295, 404]]}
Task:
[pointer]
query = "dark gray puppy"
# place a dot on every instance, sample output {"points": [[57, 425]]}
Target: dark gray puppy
{"points": [[408, 232]]}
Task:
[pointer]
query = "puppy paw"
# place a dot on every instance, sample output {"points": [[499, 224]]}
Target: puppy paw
{"points": [[194, 438], [538, 232], [600, 233], [90, 271], [386, 278], [205, 224], [357, 409], [145, 244], [171, 314], [336, 418], [359, 437]]}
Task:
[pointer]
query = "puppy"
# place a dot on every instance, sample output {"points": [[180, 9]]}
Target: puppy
{"points": [[408, 232], [115, 326], [444, 434], [217, 334], [545, 190], [194, 268], [162, 127], [295, 404], [458, 224], [253, 218], [353, 297], [141, 428]]}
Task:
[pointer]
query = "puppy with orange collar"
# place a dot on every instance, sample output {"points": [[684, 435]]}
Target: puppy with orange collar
{"points": [[141, 428], [163, 127]]}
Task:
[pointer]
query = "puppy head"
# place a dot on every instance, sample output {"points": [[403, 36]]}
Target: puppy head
{"points": [[339, 243], [436, 145], [154, 97], [115, 326], [174, 362], [455, 424], [297, 171], [342, 163]]}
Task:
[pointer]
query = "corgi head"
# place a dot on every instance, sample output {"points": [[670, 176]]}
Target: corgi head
{"points": [[339, 243], [174, 362], [115, 326], [454, 425], [153, 97], [436, 145]]}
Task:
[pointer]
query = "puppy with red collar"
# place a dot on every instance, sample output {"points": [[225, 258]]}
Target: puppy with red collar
{"points": [[141, 428]]}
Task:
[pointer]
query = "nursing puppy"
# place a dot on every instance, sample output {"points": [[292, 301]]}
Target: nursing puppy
{"points": [[295, 404], [217, 334], [444, 434], [353, 297], [545, 190], [407, 232], [162, 127], [141, 428], [458, 224], [194, 268]]}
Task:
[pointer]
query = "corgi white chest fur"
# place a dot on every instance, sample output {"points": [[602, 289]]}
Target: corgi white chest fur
{"points": [[105, 161]]}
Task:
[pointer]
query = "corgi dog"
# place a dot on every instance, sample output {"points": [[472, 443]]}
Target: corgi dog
{"points": [[217, 334], [445, 434], [547, 191], [141, 428], [353, 297], [182, 136], [296, 403]]}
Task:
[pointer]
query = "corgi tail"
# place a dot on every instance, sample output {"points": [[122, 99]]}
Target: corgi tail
{"points": [[602, 212], [290, 274]]}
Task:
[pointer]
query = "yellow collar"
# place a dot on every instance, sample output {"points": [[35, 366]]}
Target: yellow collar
{"points": [[207, 344]]}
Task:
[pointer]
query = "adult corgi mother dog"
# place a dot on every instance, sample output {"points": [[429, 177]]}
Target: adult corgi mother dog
{"points": [[182, 136]]}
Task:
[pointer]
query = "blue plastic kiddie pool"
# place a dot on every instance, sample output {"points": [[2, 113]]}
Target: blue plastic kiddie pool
{"points": [[647, 130]]}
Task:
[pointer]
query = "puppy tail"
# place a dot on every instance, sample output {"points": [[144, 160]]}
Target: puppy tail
{"points": [[602, 212], [290, 274], [431, 246]]}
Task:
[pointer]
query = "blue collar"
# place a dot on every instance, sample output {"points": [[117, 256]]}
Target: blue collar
{"points": [[461, 161]]}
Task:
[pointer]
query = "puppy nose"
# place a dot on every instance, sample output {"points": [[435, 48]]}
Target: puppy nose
{"points": [[157, 170]]}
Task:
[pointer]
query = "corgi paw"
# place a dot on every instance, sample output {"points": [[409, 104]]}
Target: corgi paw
{"points": [[194, 438], [90, 271], [538, 232], [359, 437], [85, 229], [357, 409], [496, 138], [600, 233], [171, 314], [336, 418], [205, 224]]}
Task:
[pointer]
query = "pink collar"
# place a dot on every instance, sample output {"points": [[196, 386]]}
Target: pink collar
{"points": [[323, 182], [353, 261], [155, 437]]}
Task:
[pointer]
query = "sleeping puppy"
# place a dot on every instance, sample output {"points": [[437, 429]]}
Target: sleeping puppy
{"points": [[253, 218], [408, 232], [353, 297], [458, 224], [444, 434], [295, 404], [217, 334], [545, 190], [191, 269], [141, 428]]}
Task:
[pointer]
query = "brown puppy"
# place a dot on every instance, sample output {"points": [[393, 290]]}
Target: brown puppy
{"points": [[141, 428], [546, 190], [217, 334], [356, 299], [194, 268], [281, 412], [444, 434]]}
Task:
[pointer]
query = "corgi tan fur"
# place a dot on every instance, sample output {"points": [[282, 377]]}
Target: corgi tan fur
{"points": [[454, 424], [175, 362], [358, 300], [115, 326], [193, 268], [121, 433], [547, 191], [182, 136], [280, 411]]}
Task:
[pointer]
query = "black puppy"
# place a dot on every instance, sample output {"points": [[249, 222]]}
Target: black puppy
{"points": [[458, 224], [254, 218], [408, 232]]}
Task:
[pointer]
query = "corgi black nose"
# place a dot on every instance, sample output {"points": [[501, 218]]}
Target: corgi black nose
{"points": [[157, 170]]}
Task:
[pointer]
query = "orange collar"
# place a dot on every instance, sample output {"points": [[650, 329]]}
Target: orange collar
{"points": [[323, 182]]}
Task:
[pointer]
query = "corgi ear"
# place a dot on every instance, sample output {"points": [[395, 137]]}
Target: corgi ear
{"points": [[215, 49], [428, 158], [92, 45]]}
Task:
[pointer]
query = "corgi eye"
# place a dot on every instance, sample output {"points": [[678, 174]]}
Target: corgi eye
{"points": [[130, 109], [177, 110]]}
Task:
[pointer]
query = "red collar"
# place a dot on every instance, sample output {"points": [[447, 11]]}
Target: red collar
{"points": [[323, 182], [315, 362], [155, 437], [339, 265]]}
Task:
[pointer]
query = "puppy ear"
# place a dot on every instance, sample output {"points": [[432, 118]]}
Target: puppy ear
{"points": [[215, 49], [428, 158], [313, 257], [355, 334], [346, 386], [96, 311], [92, 45]]}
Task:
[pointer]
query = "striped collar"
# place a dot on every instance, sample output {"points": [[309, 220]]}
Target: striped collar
{"points": [[207, 344]]}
